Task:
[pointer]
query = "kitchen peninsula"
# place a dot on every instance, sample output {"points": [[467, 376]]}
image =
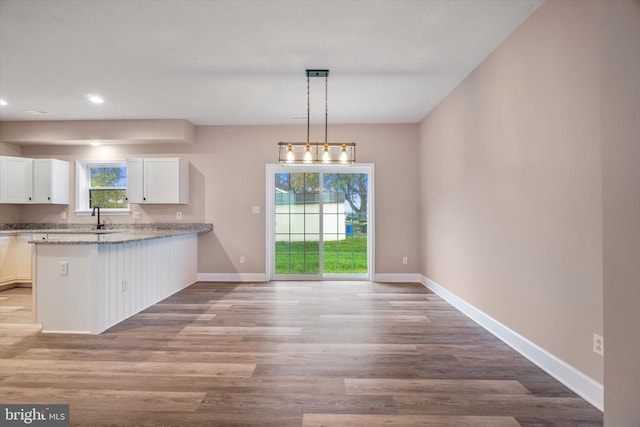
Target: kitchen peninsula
{"points": [[87, 280]]}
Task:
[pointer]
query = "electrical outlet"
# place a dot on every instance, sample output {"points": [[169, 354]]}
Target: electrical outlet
{"points": [[63, 215], [178, 215], [255, 209], [598, 344], [242, 259], [136, 215], [64, 268], [405, 260]]}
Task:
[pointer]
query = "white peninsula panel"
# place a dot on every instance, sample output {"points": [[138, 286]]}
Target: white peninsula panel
{"points": [[87, 288]]}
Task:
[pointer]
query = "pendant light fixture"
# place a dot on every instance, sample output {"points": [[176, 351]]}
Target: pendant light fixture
{"points": [[327, 153]]}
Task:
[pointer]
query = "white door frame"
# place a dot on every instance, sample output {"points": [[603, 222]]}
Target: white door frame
{"points": [[271, 170]]}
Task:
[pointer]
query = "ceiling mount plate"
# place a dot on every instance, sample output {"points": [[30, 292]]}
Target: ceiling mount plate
{"points": [[317, 73]]}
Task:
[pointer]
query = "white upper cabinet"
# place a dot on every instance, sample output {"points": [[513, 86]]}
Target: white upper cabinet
{"points": [[158, 181], [16, 180], [24, 180], [135, 181], [50, 181]]}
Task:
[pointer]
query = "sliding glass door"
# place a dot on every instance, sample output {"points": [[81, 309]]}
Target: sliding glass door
{"points": [[319, 225], [297, 223]]}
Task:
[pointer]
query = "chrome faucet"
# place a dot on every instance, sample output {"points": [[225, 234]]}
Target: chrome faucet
{"points": [[93, 213]]}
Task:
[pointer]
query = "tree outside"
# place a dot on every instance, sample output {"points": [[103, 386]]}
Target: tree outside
{"points": [[108, 187]]}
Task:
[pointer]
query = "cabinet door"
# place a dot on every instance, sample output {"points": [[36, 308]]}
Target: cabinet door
{"points": [[16, 180], [60, 182], [42, 181], [22, 255], [50, 181], [162, 180], [135, 177], [7, 260]]}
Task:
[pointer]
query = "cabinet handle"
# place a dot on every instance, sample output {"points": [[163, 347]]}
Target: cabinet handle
{"points": [[29, 197], [48, 198], [144, 198]]}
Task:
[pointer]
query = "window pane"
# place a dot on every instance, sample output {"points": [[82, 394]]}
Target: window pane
{"points": [[297, 249], [108, 177], [345, 223], [107, 198]]}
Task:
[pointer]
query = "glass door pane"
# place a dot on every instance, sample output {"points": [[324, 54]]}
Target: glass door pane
{"points": [[345, 223], [297, 223]]}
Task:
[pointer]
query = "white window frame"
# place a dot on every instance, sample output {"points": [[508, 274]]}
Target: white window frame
{"points": [[83, 185]]}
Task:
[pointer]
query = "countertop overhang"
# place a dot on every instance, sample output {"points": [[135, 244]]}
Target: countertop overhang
{"points": [[78, 234]]}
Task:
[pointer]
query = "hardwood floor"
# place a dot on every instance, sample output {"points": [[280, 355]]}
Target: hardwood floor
{"points": [[284, 354]]}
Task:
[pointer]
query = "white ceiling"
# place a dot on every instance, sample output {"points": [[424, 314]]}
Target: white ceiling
{"points": [[243, 61]]}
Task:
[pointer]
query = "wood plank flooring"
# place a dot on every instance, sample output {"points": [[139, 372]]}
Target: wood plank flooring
{"points": [[284, 354]]}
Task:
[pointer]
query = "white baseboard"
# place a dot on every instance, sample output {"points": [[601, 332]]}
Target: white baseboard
{"points": [[397, 277], [232, 277], [586, 387], [261, 277]]}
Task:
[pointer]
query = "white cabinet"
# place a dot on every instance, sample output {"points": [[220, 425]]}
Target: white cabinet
{"points": [[16, 180], [135, 181], [22, 250], [50, 181], [15, 259], [158, 180], [24, 180], [7, 263]]}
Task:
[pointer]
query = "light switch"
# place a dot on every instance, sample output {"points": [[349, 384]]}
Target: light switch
{"points": [[255, 209], [64, 268]]}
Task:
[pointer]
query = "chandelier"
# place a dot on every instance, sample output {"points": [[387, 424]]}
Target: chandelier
{"points": [[326, 153]]}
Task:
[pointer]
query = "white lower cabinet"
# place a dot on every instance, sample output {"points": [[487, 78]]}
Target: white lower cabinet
{"points": [[23, 251], [7, 264], [15, 259]]}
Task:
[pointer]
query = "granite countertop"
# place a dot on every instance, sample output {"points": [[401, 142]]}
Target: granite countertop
{"points": [[77, 234]]}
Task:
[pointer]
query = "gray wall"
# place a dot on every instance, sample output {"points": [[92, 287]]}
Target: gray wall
{"points": [[620, 100], [530, 180], [511, 185]]}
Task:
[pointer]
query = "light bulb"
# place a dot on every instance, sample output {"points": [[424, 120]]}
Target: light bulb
{"points": [[343, 155], [326, 158], [290, 156], [307, 154]]}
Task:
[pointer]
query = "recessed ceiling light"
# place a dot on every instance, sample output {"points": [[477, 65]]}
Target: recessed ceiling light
{"points": [[3, 103], [96, 99], [37, 112]]}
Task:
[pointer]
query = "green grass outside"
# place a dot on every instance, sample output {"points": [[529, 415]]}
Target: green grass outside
{"points": [[342, 256]]}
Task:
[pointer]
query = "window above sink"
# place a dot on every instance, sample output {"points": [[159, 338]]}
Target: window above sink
{"points": [[101, 183]]}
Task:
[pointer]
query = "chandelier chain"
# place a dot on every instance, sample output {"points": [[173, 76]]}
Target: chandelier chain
{"points": [[308, 109], [326, 105]]}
